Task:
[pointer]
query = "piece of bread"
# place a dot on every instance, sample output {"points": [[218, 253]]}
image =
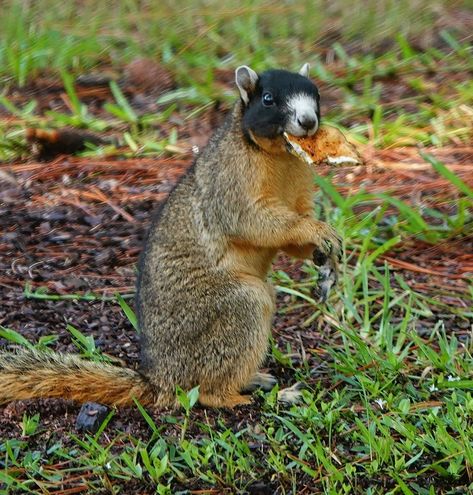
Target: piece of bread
{"points": [[328, 145]]}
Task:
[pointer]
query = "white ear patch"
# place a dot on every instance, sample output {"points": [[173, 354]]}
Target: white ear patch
{"points": [[304, 70], [246, 80]]}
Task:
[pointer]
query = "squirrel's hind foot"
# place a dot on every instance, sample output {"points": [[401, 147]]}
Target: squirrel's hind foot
{"points": [[292, 394], [263, 381]]}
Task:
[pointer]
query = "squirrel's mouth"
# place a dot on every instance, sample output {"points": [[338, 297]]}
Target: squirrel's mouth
{"points": [[296, 129]]}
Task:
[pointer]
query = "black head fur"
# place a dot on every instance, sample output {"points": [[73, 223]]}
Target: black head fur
{"points": [[270, 121]]}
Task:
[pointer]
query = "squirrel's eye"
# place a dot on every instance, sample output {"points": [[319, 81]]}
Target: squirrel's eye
{"points": [[268, 99]]}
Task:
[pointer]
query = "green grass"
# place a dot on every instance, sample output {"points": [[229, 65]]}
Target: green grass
{"points": [[389, 408]]}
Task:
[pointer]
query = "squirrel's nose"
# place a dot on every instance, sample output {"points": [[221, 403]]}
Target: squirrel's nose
{"points": [[306, 122]]}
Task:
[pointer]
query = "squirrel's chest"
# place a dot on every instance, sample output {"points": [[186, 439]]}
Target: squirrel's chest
{"points": [[291, 183]]}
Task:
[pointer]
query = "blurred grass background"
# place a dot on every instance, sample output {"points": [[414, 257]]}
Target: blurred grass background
{"points": [[396, 73], [203, 35]]}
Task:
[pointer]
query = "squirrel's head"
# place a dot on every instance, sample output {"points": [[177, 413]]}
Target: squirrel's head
{"points": [[277, 101]]}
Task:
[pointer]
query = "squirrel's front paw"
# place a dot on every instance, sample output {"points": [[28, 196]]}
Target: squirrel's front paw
{"points": [[329, 245], [326, 256]]}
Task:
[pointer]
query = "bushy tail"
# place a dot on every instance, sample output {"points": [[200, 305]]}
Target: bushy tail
{"points": [[29, 374]]}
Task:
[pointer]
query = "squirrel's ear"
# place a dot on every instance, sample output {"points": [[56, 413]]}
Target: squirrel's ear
{"points": [[246, 80], [304, 71]]}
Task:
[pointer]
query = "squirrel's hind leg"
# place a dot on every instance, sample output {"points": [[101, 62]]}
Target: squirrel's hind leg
{"points": [[234, 346]]}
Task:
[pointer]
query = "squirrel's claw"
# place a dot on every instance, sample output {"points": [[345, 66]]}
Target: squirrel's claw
{"points": [[327, 279], [327, 257]]}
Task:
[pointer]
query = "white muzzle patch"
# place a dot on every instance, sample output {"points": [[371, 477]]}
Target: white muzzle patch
{"points": [[303, 119]]}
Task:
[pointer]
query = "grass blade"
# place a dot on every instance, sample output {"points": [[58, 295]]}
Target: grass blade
{"points": [[441, 169]]}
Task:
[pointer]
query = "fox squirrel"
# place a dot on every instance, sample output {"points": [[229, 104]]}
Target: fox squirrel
{"points": [[203, 300]]}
